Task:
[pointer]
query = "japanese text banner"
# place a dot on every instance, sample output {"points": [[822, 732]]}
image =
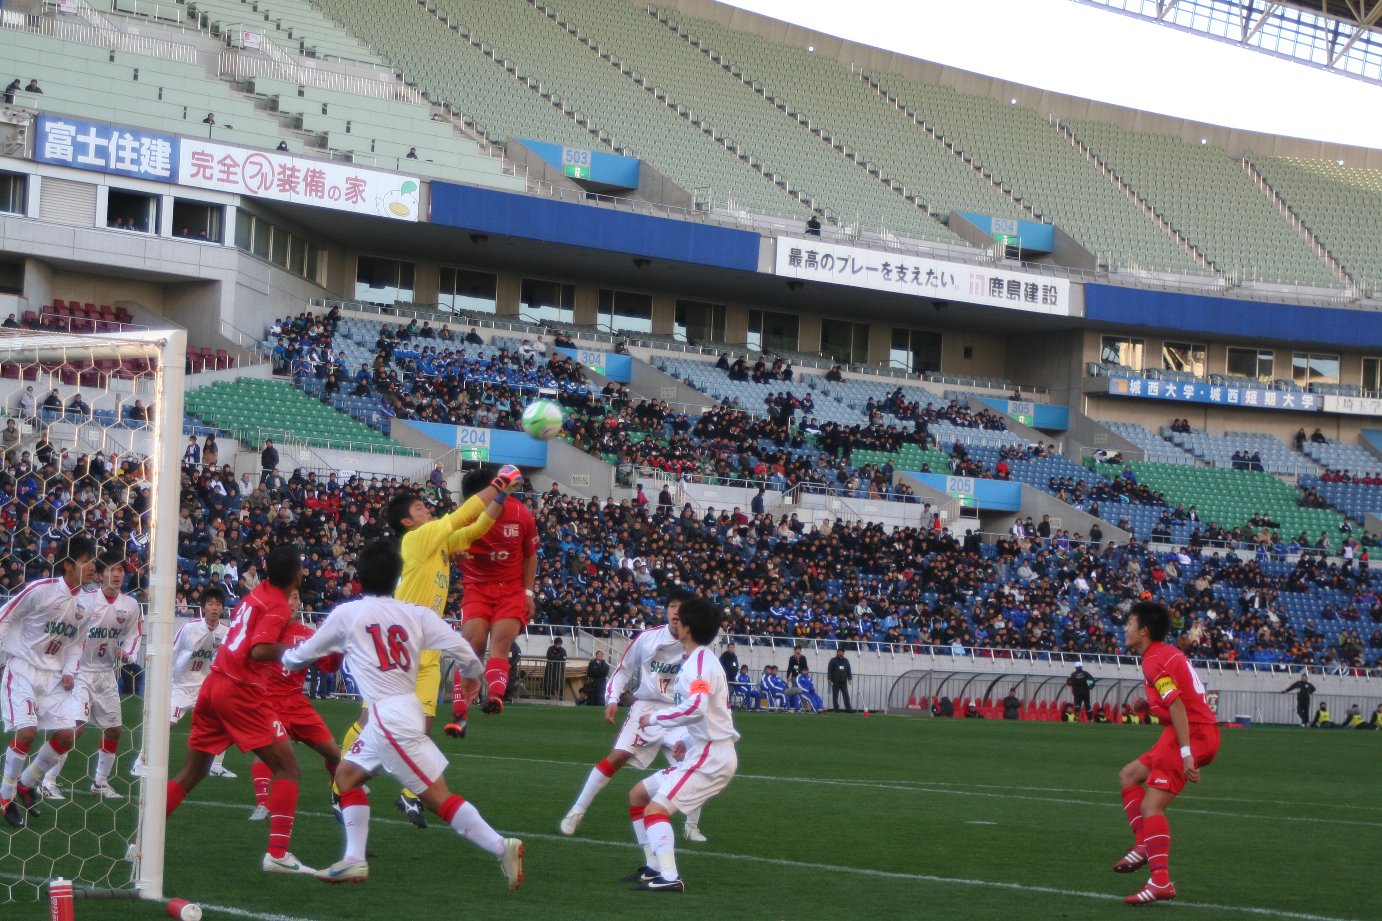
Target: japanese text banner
{"points": [[1215, 394], [931, 278], [106, 148], [280, 177]]}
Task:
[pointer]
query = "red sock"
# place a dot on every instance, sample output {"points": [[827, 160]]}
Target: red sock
{"points": [[176, 794], [650, 820], [636, 813], [497, 677], [283, 806], [604, 767], [460, 707], [355, 797], [58, 747], [449, 808], [1132, 808], [19, 749], [263, 780], [110, 746], [1156, 832]]}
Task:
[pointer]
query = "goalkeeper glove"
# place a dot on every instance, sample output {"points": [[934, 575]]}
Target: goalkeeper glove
{"points": [[508, 479]]}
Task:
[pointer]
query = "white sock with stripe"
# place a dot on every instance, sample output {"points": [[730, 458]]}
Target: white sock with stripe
{"points": [[663, 842], [470, 825], [53, 772]]}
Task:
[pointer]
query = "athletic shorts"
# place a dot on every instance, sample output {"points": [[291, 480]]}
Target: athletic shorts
{"points": [[184, 699], [1164, 760], [98, 695], [300, 719], [493, 602], [696, 779], [428, 680], [395, 742], [229, 714], [35, 697], [642, 752]]}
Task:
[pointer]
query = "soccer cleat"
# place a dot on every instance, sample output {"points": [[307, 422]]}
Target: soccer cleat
{"points": [[511, 864], [14, 815], [411, 808], [1133, 860], [692, 832], [455, 730], [494, 706], [335, 806], [220, 770], [1151, 893], [658, 884], [104, 791], [51, 791], [286, 864], [508, 479], [28, 798], [570, 822], [259, 814], [641, 875], [137, 769], [345, 870]]}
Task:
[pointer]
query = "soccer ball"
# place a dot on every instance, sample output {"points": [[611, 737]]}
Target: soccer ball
{"points": [[543, 418]]}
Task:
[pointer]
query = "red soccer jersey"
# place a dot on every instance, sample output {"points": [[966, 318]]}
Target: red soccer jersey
{"points": [[280, 682], [262, 617], [499, 555], [1169, 677]]}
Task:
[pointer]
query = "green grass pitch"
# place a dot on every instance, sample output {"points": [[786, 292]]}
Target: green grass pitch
{"points": [[836, 816]]}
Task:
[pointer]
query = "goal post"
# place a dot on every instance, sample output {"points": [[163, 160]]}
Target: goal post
{"points": [[99, 417]]}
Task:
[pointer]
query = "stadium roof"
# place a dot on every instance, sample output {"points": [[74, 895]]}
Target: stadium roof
{"points": [[1341, 36]]}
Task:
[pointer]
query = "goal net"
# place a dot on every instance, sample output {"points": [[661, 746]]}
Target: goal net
{"points": [[92, 433]]}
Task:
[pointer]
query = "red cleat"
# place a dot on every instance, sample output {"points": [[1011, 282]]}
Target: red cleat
{"points": [[494, 706], [1151, 893], [1135, 859]]}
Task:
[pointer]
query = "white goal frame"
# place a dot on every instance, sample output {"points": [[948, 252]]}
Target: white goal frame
{"points": [[168, 348]]}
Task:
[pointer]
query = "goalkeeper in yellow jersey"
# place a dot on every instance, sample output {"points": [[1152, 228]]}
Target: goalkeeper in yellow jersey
{"points": [[427, 544]]}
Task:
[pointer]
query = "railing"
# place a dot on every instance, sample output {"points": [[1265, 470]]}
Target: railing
{"points": [[88, 27], [297, 442], [242, 64]]}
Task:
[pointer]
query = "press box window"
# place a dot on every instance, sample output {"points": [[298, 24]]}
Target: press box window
{"points": [[1121, 350], [195, 220], [773, 332], [1258, 364], [467, 291], [626, 311], [552, 301], [697, 321], [383, 280], [132, 211], [13, 193]]}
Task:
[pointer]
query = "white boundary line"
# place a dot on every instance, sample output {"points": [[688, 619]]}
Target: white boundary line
{"points": [[949, 789], [781, 862]]}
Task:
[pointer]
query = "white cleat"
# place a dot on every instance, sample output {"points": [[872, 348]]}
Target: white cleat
{"points": [[137, 769], [51, 791], [570, 822], [692, 832], [345, 870], [286, 864], [104, 791], [259, 814], [511, 864], [220, 770]]}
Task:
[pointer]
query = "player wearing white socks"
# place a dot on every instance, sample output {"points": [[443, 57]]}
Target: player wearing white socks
{"points": [[383, 639], [649, 668], [113, 635], [700, 707], [194, 649], [42, 633]]}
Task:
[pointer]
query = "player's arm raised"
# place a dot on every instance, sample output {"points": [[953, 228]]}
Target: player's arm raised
{"points": [[436, 534], [329, 638]]}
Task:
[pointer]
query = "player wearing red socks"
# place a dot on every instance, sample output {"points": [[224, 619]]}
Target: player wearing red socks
{"points": [[300, 719], [498, 577], [233, 707], [1190, 742]]}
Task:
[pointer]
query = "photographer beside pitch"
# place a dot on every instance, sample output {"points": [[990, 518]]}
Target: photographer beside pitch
{"points": [[1190, 742]]}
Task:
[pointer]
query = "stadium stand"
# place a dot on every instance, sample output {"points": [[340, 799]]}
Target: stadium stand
{"points": [[1219, 450], [1351, 459], [1157, 449], [1339, 204], [254, 409], [1205, 195]]}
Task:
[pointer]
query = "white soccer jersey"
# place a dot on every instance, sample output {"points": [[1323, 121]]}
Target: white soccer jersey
{"points": [[701, 701], [114, 630], [652, 660], [382, 638], [43, 626], [194, 649]]}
